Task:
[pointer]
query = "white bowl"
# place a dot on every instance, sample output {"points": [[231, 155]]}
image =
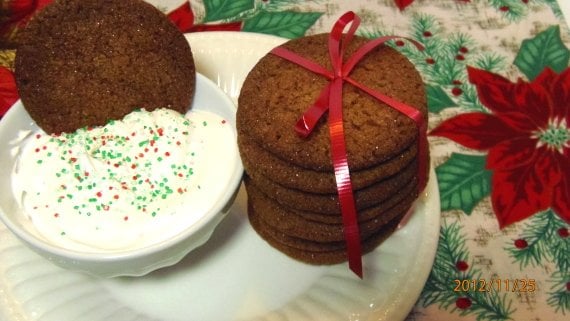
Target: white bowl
{"points": [[135, 262]]}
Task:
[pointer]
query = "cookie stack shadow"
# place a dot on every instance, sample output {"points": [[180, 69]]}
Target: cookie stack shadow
{"points": [[296, 209]]}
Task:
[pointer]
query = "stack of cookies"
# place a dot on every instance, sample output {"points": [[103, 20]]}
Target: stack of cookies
{"points": [[292, 192]]}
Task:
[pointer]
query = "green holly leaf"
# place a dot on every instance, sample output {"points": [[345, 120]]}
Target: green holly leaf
{"points": [[546, 49], [224, 9], [463, 182], [287, 24], [437, 99]]}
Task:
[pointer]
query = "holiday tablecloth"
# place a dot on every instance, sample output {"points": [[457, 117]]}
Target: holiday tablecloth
{"points": [[498, 86]]}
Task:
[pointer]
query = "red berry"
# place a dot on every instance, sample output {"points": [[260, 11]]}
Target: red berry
{"points": [[460, 57], [463, 50], [461, 265], [563, 232], [524, 1], [456, 82], [521, 244], [427, 34], [504, 8], [456, 91], [568, 286], [430, 61], [463, 303], [400, 43]]}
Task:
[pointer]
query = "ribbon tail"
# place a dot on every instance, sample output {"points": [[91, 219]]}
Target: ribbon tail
{"points": [[308, 121], [342, 175]]}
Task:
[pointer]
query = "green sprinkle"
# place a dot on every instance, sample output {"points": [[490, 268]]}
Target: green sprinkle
{"points": [[92, 200]]}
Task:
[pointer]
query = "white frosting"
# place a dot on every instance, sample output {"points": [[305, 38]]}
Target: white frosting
{"points": [[129, 184]]}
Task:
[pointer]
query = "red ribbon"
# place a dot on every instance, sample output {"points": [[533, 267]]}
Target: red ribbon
{"points": [[330, 99]]}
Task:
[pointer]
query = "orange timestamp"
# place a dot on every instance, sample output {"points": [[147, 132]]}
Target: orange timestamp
{"points": [[494, 285]]}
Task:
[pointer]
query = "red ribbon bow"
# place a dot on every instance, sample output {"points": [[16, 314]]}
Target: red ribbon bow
{"points": [[330, 99]]}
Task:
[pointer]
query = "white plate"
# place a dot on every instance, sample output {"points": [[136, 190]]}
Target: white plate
{"points": [[236, 275]]}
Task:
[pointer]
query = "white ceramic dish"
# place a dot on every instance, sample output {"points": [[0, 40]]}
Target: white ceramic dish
{"points": [[235, 275], [133, 262]]}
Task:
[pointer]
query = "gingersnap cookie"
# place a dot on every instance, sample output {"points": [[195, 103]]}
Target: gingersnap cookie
{"points": [[257, 159], [329, 203], [367, 213], [290, 223], [316, 256], [85, 62], [277, 92]]}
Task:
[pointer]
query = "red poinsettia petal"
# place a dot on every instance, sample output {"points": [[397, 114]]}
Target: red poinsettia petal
{"points": [[560, 93], [402, 4], [512, 153], [8, 90], [561, 201], [535, 102], [525, 191], [182, 17], [475, 130], [480, 76], [530, 101]]}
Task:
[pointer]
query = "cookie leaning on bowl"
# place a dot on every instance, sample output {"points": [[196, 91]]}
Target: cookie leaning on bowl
{"points": [[293, 203], [85, 62]]}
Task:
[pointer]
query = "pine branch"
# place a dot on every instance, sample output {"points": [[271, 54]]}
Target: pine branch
{"points": [[451, 264], [513, 10], [540, 240], [279, 5], [532, 245], [559, 296]]}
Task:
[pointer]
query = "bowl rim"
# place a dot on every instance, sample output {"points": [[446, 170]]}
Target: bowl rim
{"points": [[39, 244]]}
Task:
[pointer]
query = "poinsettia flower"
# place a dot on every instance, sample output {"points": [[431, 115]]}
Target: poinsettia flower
{"points": [[527, 136], [183, 18], [8, 90]]}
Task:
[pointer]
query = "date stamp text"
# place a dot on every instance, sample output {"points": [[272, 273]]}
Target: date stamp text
{"points": [[494, 285]]}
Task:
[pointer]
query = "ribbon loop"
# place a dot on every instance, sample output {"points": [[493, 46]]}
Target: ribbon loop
{"points": [[330, 99]]}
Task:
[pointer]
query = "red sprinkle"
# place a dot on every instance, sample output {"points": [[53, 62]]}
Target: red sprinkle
{"points": [[167, 154], [160, 132], [99, 194], [116, 196]]}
